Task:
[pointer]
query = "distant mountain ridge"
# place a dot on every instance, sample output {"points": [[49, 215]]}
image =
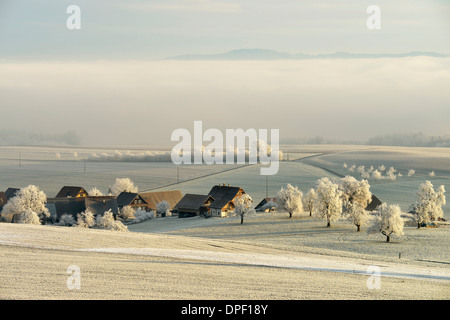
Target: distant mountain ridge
{"points": [[263, 54]]}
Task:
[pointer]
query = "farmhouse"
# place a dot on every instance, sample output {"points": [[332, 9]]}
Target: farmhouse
{"points": [[132, 199], [153, 198], [71, 192], [224, 197], [193, 205]]}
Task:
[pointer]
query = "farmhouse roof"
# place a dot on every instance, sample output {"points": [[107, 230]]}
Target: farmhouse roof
{"points": [[192, 201], [70, 191], [222, 192], [126, 198], [219, 204]]}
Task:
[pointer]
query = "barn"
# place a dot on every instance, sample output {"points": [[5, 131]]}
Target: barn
{"points": [[153, 198], [192, 205], [100, 204], [262, 206]]}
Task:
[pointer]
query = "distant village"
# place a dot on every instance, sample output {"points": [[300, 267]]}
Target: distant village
{"points": [[73, 200]]}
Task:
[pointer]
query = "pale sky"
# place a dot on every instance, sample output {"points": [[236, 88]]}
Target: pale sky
{"points": [[108, 81]]}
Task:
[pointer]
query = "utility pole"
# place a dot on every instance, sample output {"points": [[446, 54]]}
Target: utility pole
{"points": [[20, 159]]}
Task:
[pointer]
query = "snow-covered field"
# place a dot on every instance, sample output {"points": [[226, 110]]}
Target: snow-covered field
{"points": [[268, 257]]}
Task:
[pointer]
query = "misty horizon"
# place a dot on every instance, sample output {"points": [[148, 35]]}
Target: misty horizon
{"points": [[110, 82]]}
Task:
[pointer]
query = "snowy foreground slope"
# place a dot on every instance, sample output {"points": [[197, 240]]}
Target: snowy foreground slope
{"points": [[221, 264]]}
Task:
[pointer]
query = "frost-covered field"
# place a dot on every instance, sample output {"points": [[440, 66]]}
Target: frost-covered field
{"points": [[268, 257]]}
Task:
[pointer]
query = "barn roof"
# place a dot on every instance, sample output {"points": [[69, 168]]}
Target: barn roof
{"points": [[153, 198], [264, 201], [374, 204], [100, 204], [70, 191], [192, 201], [60, 206]]}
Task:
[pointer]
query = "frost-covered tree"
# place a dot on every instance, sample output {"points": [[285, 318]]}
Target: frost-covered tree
{"points": [[127, 212], [123, 185], [357, 214], [388, 221], [428, 205], [85, 219], [328, 204], [94, 192], [163, 208], [28, 217], [243, 206], [355, 191], [26, 199], [308, 200], [66, 220], [290, 199], [142, 215], [107, 221]]}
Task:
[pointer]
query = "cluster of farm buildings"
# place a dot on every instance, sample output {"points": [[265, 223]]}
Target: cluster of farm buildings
{"points": [[72, 200]]}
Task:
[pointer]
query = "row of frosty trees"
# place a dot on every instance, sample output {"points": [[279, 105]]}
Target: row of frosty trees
{"points": [[28, 206], [347, 197]]}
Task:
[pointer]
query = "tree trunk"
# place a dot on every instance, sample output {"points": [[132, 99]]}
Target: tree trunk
{"points": [[290, 214], [242, 219], [328, 224], [388, 238], [358, 228], [310, 213], [418, 225]]}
